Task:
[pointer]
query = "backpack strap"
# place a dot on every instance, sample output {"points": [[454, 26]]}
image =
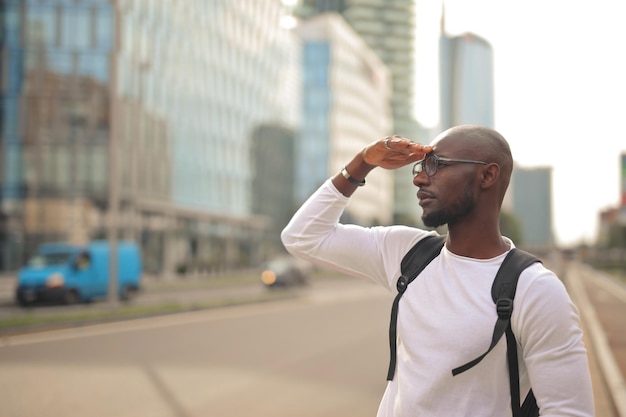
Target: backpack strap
{"points": [[503, 293], [412, 264]]}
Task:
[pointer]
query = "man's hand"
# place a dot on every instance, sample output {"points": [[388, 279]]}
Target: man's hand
{"points": [[390, 153], [394, 152]]}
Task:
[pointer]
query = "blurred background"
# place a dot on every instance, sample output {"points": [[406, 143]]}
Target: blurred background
{"points": [[196, 128], [181, 136]]}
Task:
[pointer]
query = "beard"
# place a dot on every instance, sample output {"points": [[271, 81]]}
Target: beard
{"points": [[454, 212]]}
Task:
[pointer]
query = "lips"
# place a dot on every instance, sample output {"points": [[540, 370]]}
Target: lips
{"points": [[424, 196]]}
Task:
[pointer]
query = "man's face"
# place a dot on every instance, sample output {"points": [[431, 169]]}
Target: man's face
{"points": [[449, 195]]}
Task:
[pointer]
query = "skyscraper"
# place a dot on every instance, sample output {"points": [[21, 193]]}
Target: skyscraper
{"points": [[466, 80], [177, 89], [532, 204], [387, 27], [345, 104]]}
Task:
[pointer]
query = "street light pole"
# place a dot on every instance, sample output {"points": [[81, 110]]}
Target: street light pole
{"points": [[136, 144], [113, 171]]}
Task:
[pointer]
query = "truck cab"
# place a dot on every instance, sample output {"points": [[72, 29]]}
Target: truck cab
{"points": [[73, 273]]}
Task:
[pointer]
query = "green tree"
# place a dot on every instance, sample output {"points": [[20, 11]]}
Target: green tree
{"points": [[510, 227]]}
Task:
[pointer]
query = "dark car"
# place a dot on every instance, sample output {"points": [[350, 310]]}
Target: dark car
{"points": [[285, 271]]}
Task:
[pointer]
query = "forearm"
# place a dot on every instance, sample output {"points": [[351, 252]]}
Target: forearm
{"points": [[390, 153], [314, 234], [357, 169]]}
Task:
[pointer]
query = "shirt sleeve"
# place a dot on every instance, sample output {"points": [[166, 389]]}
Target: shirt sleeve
{"points": [[547, 327], [315, 234]]}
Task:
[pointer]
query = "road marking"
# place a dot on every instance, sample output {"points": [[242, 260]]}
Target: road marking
{"points": [[611, 286]]}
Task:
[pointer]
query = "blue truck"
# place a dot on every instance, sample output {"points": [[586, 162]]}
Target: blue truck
{"points": [[69, 273]]}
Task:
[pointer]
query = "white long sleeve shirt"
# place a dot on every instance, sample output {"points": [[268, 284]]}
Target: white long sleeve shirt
{"points": [[446, 318]]}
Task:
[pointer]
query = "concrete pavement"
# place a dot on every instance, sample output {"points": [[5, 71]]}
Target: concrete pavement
{"points": [[600, 319]]}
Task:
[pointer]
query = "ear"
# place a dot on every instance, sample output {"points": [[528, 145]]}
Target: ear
{"points": [[490, 175]]}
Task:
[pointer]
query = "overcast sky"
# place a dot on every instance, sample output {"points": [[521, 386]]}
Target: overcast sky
{"points": [[560, 92]]}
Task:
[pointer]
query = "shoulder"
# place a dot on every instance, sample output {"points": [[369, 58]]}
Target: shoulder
{"points": [[396, 243], [537, 278], [542, 300]]}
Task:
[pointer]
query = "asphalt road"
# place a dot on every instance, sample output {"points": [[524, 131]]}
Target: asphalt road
{"points": [[602, 304], [293, 357], [323, 354]]}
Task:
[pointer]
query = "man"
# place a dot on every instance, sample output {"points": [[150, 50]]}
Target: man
{"points": [[446, 316]]}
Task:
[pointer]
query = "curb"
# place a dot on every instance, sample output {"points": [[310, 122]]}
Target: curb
{"points": [[602, 350]]}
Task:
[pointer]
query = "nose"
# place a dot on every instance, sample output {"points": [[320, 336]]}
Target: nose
{"points": [[421, 179]]}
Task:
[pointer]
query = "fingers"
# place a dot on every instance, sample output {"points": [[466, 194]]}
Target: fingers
{"points": [[403, 145], [394, 152]]}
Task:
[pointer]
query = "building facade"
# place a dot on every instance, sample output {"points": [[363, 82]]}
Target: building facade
{"points": [[466, 81], [345, 107], [531, 190], [387, 27], [153, 103]]}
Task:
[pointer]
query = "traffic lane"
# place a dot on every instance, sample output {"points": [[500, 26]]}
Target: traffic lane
{"points": [[324, 354], [177, 292], [183, 295], [608, 298]]}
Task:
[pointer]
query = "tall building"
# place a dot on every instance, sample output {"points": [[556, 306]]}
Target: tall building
{"points": [[466, 80], [345, 107], [273, 181], [173, 91], [612, 221], [531, 190], [622, 204], [387, 27]]}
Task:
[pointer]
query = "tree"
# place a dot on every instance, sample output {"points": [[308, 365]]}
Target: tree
{"points": [[510, 227]]}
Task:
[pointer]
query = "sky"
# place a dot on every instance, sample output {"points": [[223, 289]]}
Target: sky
{"points": [[560, 93]]}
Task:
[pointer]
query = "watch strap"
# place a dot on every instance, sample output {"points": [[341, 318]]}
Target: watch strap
{"points": [[350, 178]]}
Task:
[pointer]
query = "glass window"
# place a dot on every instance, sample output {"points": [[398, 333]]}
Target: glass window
{"points": [[41, 25], [104, 28], [76, 31], [94, 65], [60, 62]]}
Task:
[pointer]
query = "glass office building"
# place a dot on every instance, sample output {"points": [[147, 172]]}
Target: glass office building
{"points": [[388, 28], [346, 91], [173, 91], [466, 81]]}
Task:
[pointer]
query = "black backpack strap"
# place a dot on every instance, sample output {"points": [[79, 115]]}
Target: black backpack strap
{"points": [[503, 293], [412, 264]]}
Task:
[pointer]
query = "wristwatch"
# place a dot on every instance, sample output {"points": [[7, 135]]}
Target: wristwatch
{"points": [[350, 178]]}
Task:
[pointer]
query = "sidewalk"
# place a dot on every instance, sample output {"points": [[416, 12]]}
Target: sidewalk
{"points": [[609, 388], [7, 286]]}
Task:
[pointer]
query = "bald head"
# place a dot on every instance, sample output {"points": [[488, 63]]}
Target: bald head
{"points": [[480, 143]]}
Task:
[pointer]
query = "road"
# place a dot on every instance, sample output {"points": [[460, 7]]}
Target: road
{"points": [[602, 303], [323, 354]]}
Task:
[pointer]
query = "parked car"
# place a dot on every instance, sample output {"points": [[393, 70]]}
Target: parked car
{"points": [[285, 271], [69, 274]]}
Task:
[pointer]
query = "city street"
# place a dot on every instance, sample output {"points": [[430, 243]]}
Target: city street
{"points": [[322, 353], [602, 303]]}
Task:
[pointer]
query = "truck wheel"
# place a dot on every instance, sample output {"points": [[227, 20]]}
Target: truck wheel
{"points": [[23, 302], [71, 297], [128, 293]]}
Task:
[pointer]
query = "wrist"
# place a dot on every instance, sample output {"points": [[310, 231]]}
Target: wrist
{"points": [[358, 167], [352, 176], [351, 179]]}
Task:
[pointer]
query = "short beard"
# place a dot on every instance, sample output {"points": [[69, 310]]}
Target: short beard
{"points": [[450, 215]]}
